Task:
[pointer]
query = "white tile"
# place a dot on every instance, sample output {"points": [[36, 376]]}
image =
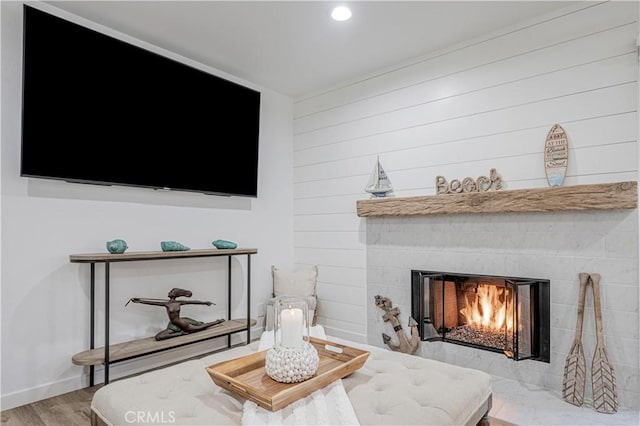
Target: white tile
{"points": [[525, 404], [621, 244], [554, 246]]}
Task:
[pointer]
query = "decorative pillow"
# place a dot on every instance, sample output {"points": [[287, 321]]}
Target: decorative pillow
{"points": [[300, 283]]}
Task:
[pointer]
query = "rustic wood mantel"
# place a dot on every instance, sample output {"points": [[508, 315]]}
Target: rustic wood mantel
{"points": [[604, 196]]}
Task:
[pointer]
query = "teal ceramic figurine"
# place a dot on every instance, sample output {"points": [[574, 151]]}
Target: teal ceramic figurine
{"points": [[117, 246], [173, 246], [224, 244]]}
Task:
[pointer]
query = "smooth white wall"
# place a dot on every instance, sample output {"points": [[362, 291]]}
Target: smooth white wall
{"points": [[45, 299], [486, 103]]}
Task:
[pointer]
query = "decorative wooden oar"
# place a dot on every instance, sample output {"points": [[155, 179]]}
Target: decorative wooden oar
{"points": [[575, 369], [603, 379]]}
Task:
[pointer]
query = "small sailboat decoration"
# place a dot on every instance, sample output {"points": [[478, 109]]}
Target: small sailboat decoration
{"points": [[379, 184]]}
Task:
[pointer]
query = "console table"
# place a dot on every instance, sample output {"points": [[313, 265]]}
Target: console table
{"points": [[136, 348]]}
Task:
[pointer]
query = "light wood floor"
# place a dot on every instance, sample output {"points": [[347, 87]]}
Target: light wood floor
{"points": [[69, 409]]}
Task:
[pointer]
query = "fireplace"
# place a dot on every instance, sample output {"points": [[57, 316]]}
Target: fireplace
{"points": [[501, 314]]}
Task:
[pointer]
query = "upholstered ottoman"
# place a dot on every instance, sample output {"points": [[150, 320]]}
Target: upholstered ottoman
{"points": [[391, 388]]}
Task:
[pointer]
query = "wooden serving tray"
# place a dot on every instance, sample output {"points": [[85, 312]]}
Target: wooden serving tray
{"points": [[246, 376]]}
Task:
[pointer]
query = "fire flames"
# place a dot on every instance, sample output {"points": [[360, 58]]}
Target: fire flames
{"points": [[488, 310]]}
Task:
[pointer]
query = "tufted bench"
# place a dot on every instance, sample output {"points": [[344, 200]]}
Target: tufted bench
{"points": [[391, 388]]}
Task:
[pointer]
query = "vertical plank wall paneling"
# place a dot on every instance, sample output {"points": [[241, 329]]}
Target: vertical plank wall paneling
{"points": [[459, 112]]}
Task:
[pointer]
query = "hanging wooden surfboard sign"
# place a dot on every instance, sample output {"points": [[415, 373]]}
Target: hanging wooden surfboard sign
{"points": [[556, 155]]}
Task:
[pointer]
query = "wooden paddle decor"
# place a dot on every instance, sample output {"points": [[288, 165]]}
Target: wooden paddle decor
{"points": [[575, 369], [603, 379], [556, 155]]}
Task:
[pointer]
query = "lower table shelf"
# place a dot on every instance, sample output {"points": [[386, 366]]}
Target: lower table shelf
{"points": [[149, 345]]}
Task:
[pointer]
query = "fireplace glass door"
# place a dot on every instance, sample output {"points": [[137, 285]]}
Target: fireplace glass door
{"points": [[500, 314]]}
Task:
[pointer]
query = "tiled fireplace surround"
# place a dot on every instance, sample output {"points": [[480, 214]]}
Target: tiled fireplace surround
{"points": [[554, 246]]}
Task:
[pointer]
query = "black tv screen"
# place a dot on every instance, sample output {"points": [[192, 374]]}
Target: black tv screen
{"points": [[97, 109]]}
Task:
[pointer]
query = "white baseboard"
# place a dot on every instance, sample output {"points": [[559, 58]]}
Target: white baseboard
{"points": [[40, 392], [118, 370], [354, 337]]}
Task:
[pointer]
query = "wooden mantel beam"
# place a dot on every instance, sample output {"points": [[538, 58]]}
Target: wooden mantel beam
{"points": [[604, 196]]}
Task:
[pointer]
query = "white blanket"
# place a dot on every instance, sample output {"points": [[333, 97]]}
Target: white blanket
{"points": [[327, 406]]}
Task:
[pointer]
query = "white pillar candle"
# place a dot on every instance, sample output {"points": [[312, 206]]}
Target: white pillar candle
{"points": [[291, 325]]}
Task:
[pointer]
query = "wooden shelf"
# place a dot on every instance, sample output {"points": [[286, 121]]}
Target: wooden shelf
{"points": [[605, 196], [156, 255], [148, 345], [140, 347]]}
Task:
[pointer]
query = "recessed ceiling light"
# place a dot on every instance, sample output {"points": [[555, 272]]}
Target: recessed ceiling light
{"points": [[341, 13]]}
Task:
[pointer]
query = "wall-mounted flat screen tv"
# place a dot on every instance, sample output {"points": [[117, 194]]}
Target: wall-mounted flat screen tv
{"points": [[97, 109]]}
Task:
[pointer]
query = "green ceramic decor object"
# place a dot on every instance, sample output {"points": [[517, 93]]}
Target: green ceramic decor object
{"points": [[173, 246], [224, 244], [117, 246]]}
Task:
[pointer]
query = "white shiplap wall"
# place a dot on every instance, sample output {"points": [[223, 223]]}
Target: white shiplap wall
{"points": [[486, 103]]}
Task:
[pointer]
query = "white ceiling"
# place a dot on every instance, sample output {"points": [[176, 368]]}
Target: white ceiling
{"points": [[294, 47]]}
